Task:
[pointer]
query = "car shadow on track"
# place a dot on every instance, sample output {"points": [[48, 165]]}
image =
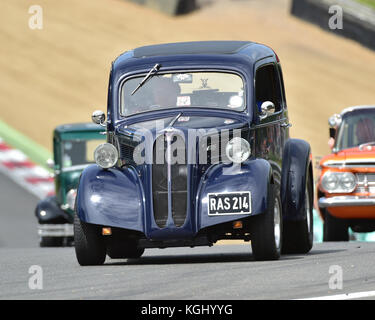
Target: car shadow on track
{"points": [[191, 259], [325, 251], [160, 259]]}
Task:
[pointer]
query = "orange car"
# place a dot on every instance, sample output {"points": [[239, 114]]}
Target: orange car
{"points": [[346, 186]]}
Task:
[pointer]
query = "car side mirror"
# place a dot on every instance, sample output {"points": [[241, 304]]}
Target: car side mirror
{"points": [[267, 108], [332, 133], [333, 122], [98, 117]]}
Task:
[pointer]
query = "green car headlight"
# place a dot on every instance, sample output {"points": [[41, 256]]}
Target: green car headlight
{"points": [[71, 198]]}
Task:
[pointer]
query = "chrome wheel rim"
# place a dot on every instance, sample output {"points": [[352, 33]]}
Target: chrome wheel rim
{"points": [[277, 223], [307, 206]]}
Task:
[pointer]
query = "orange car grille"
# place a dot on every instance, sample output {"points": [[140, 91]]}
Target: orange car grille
{"points": [[365, 183]]}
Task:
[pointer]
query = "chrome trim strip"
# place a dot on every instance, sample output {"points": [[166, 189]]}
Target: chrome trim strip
{"points": [[169, 135], [343, 201], [55, 230], [76, 167], [349, 165], [349, 162], [271, 123]]}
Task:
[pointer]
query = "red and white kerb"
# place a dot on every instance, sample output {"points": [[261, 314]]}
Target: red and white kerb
{"points": [[18, 167]]}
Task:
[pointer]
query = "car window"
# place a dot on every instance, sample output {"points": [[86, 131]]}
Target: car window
{"points": [[267, 87], [190, 89], [357, 127], [78, 152]]}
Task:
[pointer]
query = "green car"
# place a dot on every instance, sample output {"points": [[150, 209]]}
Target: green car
{"points": [[73, 150]]}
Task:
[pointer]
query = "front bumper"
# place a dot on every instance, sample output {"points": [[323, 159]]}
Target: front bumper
{"points": [[55, 230], [346, 201]]}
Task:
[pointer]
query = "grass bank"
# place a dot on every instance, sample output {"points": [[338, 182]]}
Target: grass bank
{"points": [[17, 140]]}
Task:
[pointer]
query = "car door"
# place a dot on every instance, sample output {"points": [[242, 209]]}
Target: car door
{"points": [[271, 131]]}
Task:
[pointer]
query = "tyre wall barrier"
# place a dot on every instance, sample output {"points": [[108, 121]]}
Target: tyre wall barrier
{"points": [[170, 7], [358, 21]]}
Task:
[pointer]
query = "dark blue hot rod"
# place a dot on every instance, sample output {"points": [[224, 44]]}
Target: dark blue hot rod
{"points": [[198, 150]]}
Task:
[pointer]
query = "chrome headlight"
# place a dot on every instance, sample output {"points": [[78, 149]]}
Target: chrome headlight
{"points": [[71, 198], [238, 150], [339, 182], [106, 155]]}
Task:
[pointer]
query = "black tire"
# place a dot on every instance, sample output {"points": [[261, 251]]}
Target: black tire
{"points": [[299, 235], [54, 242], [334, 229], [124, 250], [264, 243], [89, 244]]}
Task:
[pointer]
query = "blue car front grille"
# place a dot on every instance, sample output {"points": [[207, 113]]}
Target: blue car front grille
{"points": [[169, 184], [126, 153]]}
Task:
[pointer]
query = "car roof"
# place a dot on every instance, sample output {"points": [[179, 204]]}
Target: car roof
{"points": [[193, 47], [78, 127], [244, 52], [355, 108]]}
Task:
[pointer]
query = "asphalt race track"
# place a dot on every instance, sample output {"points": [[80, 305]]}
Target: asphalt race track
{"points": [[220, 272], [17, 221]]}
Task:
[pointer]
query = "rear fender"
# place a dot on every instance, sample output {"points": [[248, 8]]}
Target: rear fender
{"points": [[111, 197], [254, 176]]}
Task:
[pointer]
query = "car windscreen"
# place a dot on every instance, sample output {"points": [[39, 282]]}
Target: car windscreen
{"points": [[78, 152], [220, 90], [357, 127]]}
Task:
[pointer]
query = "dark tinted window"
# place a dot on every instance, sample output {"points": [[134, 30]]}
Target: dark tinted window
{"points": [[267, 86]]}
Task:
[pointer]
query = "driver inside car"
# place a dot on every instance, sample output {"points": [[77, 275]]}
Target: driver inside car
{"points": [[164, 92], [365, 131]]}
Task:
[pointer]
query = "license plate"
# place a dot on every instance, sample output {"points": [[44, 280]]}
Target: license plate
{"points": [[229, 203]]}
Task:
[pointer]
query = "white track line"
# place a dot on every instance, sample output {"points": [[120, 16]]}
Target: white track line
{"points": [[346, 296]]}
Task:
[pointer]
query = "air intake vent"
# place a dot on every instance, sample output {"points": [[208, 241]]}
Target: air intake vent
{"points": [[126, 153]]}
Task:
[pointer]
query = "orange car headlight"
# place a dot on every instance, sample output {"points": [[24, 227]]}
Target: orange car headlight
{"points": [[339, 182]]}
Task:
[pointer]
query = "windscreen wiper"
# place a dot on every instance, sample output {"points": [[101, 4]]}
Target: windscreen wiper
{"points": [[174, 120], [148, 76]]}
